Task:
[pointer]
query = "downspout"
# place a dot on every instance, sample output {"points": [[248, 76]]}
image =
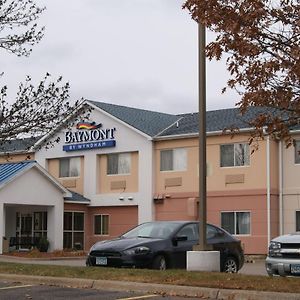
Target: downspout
{"points": [[268, 192], [280, 189]]}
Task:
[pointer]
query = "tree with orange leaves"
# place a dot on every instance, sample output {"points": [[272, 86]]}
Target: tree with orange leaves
{"points": [[261, 40]]}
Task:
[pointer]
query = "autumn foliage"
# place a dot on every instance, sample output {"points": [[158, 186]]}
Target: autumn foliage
{"points": [[261, 40]]}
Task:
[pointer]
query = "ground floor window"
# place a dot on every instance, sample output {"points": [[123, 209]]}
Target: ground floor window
{"points": [[74, 230], [30, 227], [40, 224], [298, 220], [101, 224], [236, 222]]}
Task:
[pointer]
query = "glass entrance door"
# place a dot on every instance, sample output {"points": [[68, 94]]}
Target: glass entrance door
{"points": [[24, 230]]}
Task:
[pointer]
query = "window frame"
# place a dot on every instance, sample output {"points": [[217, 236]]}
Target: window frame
{"points": [[173, 167], [234, 156], [235, 212], [297, 211], [69, 159], [101, 220], [72, 230], [118, 156], [295, 152]]}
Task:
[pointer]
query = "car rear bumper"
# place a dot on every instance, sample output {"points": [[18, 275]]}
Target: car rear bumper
{"points": [[282, 266]]}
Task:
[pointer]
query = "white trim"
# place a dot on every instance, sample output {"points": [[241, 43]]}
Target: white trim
{"points": [[268, 191], [280, 188]]}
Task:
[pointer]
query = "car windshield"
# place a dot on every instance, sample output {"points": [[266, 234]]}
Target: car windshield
{"points": [[152, 230]]}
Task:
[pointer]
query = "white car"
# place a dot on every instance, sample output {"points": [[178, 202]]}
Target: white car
{"points": [[284, 255]]}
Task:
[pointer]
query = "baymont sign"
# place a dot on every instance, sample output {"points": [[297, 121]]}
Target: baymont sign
{"points": [[89, 136]]}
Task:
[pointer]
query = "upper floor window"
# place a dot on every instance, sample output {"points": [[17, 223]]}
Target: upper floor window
{"points": [[173, 160], [233, 155], [236, 222], [119, 163], [297, 152], [69, 167]]}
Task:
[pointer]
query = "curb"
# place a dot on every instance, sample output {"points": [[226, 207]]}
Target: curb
{"points": [[16, 258], [163, 289]]}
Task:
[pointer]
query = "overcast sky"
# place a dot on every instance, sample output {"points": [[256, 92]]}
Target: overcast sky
{"points": [[140, 53]]}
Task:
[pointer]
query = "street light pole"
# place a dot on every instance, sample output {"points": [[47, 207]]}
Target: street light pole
{"points": [[200, 259], [202, 138]]}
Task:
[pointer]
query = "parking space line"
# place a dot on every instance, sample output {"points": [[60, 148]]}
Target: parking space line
{"points": [[15, 287], [139, 297]]}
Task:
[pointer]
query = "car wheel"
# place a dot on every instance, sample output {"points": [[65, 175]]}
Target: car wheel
{"points": [[159, 263], [230, 265]]}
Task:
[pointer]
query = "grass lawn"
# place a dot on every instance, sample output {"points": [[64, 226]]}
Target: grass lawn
{"points": [[178, 277]]}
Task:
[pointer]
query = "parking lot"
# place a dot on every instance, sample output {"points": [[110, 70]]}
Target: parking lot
{"points": [[12, 291]]}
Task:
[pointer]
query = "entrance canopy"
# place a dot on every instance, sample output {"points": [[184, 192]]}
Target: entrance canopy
{"points": [[28, 193]]}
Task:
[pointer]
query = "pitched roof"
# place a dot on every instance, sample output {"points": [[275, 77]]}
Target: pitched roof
{"points": [[10, 170], [216, 121], [18, 145], [146, 121], [77, 198]]}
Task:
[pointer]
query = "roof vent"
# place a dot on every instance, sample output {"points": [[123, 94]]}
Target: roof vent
{"points": [[177, 124]]}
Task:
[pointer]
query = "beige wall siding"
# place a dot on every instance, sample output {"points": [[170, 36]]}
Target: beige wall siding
{"points": [[16, 157], [72, 183], [218, 179], [107, 184]]}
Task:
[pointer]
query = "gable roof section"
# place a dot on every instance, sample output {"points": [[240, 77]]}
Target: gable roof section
{"points": [[12, 170], [146, 121], [19, 145], [76, 198], [216, 121]]}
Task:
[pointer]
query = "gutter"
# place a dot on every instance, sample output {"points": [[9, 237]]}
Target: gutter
{"points": [[268, 192], [280, 189]]}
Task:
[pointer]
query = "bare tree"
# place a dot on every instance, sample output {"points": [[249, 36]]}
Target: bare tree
{"points": [[36, 110], [262, 41]]}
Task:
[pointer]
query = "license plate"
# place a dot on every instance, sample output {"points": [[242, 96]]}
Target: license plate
{"points": [[295, 269], [102, 261]]}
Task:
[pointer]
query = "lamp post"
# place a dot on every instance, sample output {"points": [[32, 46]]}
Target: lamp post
{"points": [[200, 259], [202, 138]]}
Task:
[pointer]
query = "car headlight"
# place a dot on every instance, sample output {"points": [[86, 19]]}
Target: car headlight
{"points": [[95, 245], [137, 250], [274, 249]]}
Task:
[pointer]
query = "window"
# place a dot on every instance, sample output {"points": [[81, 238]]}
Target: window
{"points": [[40, 224], [74, 230], [236, 222], [297, 220], [69, 167], [118, 163], [101, 224], [190, 231], [297, 152], [173, 160], [233, 155]]}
